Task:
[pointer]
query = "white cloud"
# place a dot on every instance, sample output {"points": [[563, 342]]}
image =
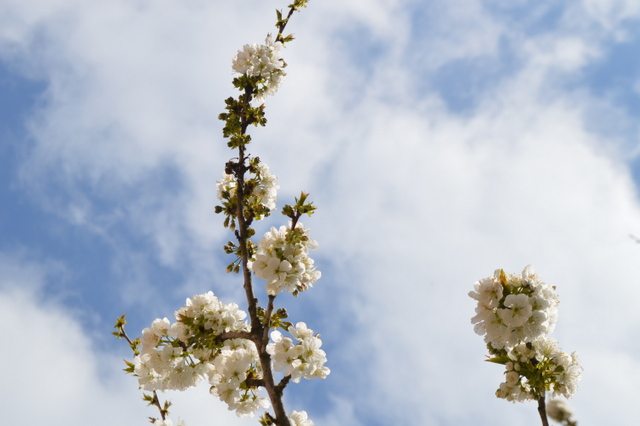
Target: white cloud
{"points": [[611, 13]]}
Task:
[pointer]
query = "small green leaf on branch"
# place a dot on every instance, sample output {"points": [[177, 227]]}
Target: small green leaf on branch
{"points": [[499, 360], [301, 207]]}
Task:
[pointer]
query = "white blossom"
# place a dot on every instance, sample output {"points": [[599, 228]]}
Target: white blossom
{"points": [[265, 190], [517, 310], [207, 311], [237, 359], [513, 308], [261, 60], [304, 359], [515, 313], [299, 418], [488, 293], [565, 368], [283, 260]]}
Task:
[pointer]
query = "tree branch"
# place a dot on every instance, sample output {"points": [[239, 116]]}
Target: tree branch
{"points": [[542, 410]]}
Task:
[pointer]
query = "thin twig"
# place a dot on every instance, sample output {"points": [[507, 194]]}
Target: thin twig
{"points": [[542, 410], [259, 332]]}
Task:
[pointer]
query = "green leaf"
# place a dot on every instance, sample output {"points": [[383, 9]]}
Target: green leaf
{"points": [[499, 360]]}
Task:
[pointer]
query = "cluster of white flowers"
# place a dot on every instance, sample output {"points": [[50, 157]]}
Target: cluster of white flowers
{"points": [[236, 361], [207, 311], [514, 308], [559, 370], [515, 313], [163, 364], [283, 260], [264, 192], [177, 356], [262, 60], [302, 359], [299, 418]]}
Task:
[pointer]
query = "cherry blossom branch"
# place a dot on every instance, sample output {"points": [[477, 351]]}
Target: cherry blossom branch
{"points": [[153, 399], [514, 314], [242, 234], [211, 340], [259, 328]]}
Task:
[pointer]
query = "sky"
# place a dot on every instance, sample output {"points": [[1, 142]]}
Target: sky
{"points": [[440, 141]]}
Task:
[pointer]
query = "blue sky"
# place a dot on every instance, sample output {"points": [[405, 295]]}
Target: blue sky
{"points": [[440, 140]]}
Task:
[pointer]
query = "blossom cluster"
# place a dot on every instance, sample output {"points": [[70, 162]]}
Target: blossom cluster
{"points": [[302, 359], [514, 308], [282, 259], [178, 356], [163, 363], [264, 61], [264, 188], [536, 367], [515, 313], [236, 362]]}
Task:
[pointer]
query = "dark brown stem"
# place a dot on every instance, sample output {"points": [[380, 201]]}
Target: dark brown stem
{"points": [[124, 334], [283, 383], [156, 402], [294, 220], [267, 316], [254, 383], [274, 392], [258, 331], [284, 24], [542, 410], [234, 335], [242, 241]]}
